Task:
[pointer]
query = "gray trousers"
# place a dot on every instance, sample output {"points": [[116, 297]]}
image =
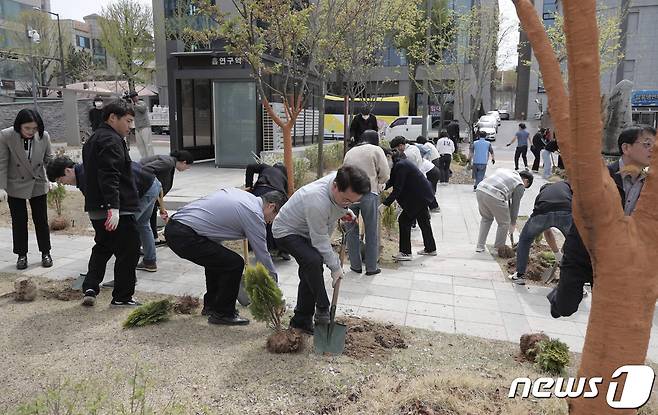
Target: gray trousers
{"points": [[144, 144], [490, 209], [368, 208]]}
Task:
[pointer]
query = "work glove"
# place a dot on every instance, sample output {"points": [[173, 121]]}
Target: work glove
{"points": [[349, 216], [164, 215], [336, 276], [3, 195], [112, 220]]}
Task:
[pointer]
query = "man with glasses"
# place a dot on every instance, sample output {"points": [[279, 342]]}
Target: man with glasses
{"points": [[304, 228], [196, 233], [636, 146]]}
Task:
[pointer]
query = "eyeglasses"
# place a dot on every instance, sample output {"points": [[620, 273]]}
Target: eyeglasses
{"points": [[30, 129], [647, 144]]}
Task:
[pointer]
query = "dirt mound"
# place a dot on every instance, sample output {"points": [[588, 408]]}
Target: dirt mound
{"points": [[537, 264], [285, 341], [368, 339], [59, 290], [59, 223], [506, 251], [528, 343]]}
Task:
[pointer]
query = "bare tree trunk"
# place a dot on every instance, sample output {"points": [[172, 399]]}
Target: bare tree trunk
{"points": [[287, 155], [323, 88]]}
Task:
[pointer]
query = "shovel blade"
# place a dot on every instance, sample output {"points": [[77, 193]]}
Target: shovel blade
{"points": [[549, 273], [329, 338]]}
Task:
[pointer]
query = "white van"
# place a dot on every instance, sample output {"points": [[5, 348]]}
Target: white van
{"points": [[409, 127]]}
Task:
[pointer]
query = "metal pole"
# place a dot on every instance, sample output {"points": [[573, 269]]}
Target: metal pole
{"points": [[61, 53], [34, 83]]}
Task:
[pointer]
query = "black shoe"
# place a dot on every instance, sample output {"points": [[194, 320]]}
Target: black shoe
{"points": [[46, 260], [358, 271], [160, 243], [321, 316], [305, 328], [90, 298], [127, 303], [375, 272], [227, 320], [22, 262]]}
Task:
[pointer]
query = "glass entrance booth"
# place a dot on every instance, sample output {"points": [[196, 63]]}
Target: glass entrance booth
{"points": [[644, 104], [216, 111]]}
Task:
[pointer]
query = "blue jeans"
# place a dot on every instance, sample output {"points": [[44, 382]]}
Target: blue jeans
{"points": [[143, 218], [368, 208], [478, 172], [533, 227]]}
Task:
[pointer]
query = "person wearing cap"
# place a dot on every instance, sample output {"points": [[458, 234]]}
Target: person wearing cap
{"points": [[142, 126], [499, 197], [370, 157]]}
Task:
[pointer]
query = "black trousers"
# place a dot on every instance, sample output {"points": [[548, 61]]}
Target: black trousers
{"points": [[523, 152], [433, 176], [406, 219], [311, 291], [575, 271], [537, 153], [18, 211], [124, 244], [223, 267], [444, 167]]}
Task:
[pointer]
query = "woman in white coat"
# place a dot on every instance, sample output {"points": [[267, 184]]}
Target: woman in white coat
{"points": [[24, 152]]}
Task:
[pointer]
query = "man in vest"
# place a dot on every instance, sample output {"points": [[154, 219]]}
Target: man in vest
{"points": [[480, 152]]}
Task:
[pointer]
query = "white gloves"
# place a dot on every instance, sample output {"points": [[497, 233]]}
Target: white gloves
{"points": [[3, 195], [336, 276], [349, 216], [112, 220]]}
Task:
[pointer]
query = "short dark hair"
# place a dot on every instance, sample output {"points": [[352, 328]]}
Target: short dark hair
{"points": [[482, 133], [528, 176], [117, 107], [364, 110], [55, 169], [28, 115], [352, 177], [421, 140], [522, 126], [443, 133], [397, 141], [182, 155], [396, 156], [276, 197], [370, 137], [631, 134]]}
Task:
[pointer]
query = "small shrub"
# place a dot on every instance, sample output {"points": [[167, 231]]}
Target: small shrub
{"points": [[460, 158], [332, 156], [548, 257], [552, 356], [389, 215], [301, 167], [150, 313], [384, 143], [56, 197]]}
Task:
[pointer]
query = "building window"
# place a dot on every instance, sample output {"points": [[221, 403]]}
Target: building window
{"points": [[549, 10], [83, 42], [633, 22], [629, 70]]}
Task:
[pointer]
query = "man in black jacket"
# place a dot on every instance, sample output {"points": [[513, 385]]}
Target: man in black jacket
{"points": [[362, 122], [453, 132], [413, 192], [536, 147], [111, 200], [164, 167], [636, 145]]}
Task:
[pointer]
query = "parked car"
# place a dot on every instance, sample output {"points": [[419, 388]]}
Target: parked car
{"points": [[409, 127], [538, 115], [496, 115], [504, 114], [487, 121], [491, 133]]}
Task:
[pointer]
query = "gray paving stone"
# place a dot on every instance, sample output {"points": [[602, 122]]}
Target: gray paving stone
{"points": [[390, 292], [475, 292], [393, 282], [478, 315], [553, 326], [476, 302], [430, 309], [515, 325], [472, 282], [432, 287], [436, 278], [385, 303], [431, 297], [394, 317]]}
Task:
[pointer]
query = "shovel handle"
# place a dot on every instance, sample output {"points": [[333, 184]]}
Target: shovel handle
{"points": [[334, 298], [245, 248]]}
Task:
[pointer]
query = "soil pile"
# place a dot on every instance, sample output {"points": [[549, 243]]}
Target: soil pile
{"points": [[59, 290], [528, 342], [536, 263], [368, 339], [285, 341]]}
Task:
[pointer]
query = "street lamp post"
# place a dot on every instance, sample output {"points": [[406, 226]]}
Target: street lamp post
{"points": [[33, 37], [62, 75]]}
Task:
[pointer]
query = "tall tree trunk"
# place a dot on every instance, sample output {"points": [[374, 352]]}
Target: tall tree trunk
{"points": [[287, 155], [323, 88], [622, 248]]}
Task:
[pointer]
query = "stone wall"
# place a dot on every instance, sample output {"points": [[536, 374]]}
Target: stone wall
{"points": [[52, 112]]}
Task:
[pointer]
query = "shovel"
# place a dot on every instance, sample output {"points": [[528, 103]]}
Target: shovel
{"points": [[330, 339], [243, 297]]}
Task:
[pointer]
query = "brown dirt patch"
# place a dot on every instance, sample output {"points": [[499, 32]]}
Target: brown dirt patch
{"points": [[460, 174], [506, 251], [186, 304], [59, 290], [367, 339], [536, 265], [527, 344], [285, 341]]}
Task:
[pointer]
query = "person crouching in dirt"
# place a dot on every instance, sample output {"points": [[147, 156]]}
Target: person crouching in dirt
{"points": [[636, 146], [196, 233], [552, 210], [270, 178], [499, 197], [414, 194], [304, 228], [370, 157], [63, 170]]}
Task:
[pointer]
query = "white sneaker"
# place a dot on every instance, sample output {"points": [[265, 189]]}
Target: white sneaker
{"points": [[402, 257], [585, 292], [479, 249], [422, 252]]}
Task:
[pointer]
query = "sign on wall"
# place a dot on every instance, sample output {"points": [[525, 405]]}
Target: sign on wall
{"points": [[645, 98], [226, 60]]}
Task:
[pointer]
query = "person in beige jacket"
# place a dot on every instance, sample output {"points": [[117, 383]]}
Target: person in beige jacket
{"points": [[24, 151], [371, 159]]}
